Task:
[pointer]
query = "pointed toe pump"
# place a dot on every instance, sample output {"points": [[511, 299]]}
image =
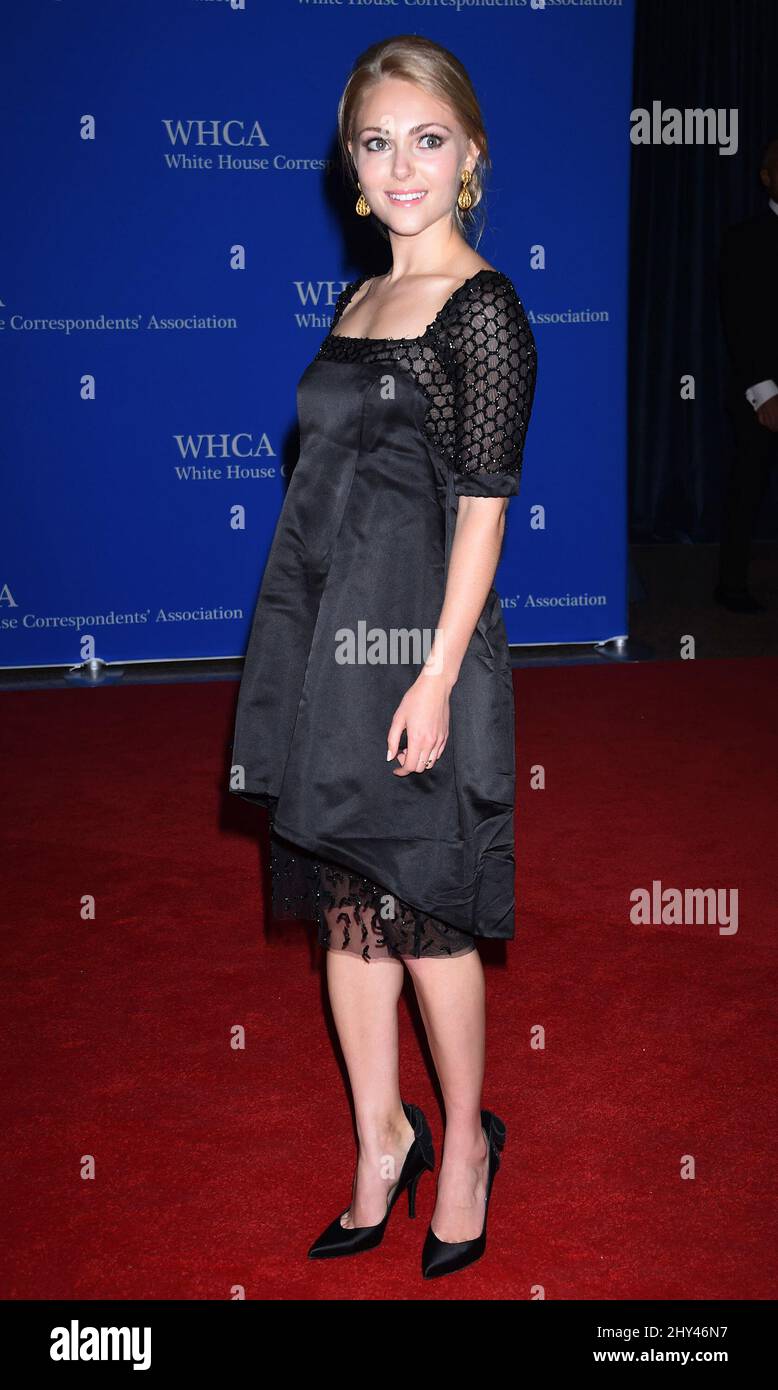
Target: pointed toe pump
{"points": [[344, 1240], [443, 1256]]}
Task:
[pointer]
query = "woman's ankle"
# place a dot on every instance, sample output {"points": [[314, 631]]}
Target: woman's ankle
{"points": [[464, 1143], [381, 1133]]}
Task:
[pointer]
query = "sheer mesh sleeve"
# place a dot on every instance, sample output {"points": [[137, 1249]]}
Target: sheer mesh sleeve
{"points": [[494, 362], [344, 297]]}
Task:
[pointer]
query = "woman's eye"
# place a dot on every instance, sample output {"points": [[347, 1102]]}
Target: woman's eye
{"points": [[371, 143]]}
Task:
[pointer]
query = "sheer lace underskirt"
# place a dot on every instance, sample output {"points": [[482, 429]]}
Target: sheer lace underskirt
{"points": [[352, 913]]}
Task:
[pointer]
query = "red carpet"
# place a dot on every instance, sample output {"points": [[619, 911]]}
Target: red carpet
{"points": [[215, 1168]]}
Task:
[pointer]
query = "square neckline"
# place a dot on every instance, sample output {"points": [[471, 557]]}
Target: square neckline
{"points": [[350, 338]]}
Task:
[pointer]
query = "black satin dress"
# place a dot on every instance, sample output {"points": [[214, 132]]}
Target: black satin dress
{"points": [[392, 433]]}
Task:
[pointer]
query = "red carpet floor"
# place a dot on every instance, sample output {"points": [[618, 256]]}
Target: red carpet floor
{"points": [[215, 1168]]}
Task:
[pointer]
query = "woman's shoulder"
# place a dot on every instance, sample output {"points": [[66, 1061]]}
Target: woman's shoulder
{"points": [[345, 296], [487, 306], [488, 284]]}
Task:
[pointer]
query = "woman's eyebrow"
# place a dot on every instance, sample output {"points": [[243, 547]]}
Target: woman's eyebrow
{"points": [[413, 131]]}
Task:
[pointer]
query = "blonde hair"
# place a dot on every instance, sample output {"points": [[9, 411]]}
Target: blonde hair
{"points": [[436, 70]]}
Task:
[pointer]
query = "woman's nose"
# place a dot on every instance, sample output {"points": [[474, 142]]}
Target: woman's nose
{"points": [[401, 165]]}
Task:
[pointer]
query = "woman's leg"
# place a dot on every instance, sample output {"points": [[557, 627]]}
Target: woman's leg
{"points": [[364, 996], [451, 995]]}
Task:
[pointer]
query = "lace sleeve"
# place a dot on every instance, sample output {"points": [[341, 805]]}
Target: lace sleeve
{"points": [[344, 297], [494, 361]]}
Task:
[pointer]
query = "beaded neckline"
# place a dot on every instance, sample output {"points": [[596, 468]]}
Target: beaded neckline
{"points": [[348, 338]]}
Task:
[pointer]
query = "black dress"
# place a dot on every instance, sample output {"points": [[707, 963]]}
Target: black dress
{"points": [[393, 431]]}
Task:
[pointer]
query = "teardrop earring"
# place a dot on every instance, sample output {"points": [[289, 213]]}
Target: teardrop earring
{"points": [[363, 207], [465, 201]]}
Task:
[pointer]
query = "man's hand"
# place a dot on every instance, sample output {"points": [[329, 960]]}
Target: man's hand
{"points": [[767, 414]]}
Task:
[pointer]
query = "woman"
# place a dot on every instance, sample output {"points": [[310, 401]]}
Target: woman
{"points": [[377, 622]]}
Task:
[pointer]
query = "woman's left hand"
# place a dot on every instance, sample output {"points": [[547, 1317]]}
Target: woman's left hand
{"points": [[424, 713]]}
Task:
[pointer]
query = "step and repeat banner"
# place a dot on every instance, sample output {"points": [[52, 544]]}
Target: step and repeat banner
{"points": [[175, 234]]}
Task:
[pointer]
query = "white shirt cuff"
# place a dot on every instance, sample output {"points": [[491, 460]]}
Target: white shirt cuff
{"points": [[763, 391]]}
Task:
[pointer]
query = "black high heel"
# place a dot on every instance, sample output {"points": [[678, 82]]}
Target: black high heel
{"points": [[345, 1240], [444, 1256]]}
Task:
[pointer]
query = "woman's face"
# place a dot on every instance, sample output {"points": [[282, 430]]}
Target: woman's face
{"points": [[408, 142]]}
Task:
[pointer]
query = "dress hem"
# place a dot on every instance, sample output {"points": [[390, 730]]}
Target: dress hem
{"points": [[319, 848]]}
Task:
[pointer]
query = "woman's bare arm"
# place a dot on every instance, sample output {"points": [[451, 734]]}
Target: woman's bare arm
{"points": [[475, 553], [493, 371]]}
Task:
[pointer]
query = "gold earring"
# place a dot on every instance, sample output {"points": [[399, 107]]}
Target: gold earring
{"points": [[363, 207], [465, 201]]}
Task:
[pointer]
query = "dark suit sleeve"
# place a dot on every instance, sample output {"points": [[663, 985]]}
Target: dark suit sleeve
{"points": [[748, 326]]}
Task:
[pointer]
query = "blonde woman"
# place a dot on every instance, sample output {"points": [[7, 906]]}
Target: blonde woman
{"points": [[375, 715]]}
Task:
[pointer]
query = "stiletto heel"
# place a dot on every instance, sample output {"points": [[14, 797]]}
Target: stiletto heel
{"points": [[444, 1256], [345, 1240]]}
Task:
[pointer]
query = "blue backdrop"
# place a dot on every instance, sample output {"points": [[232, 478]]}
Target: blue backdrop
{"points": [[172, 249]]}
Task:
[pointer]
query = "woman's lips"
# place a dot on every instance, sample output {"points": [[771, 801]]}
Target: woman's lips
{"points": [[409, 198]]}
